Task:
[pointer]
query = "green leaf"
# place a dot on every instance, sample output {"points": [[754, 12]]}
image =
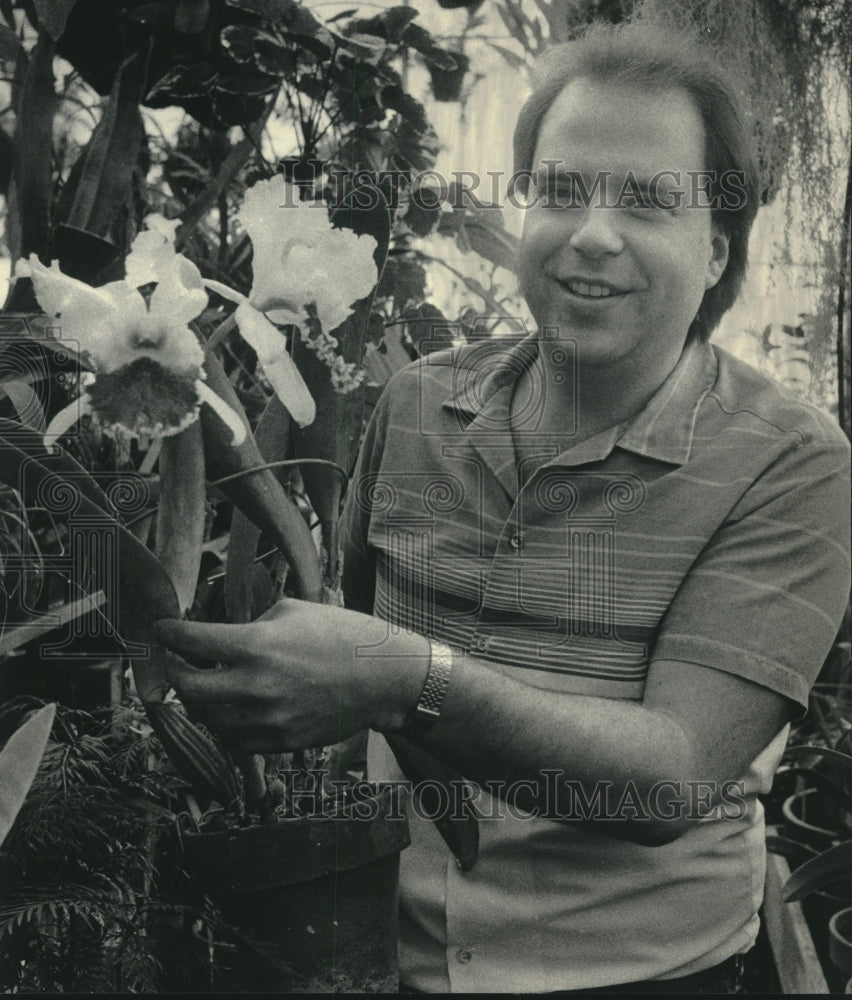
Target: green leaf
{"points": [[272, 435], [144, 593], [181, 514], [428, 328], [56, 462], [105, 183], [258, 494], [417, 38], [34, 150], [10, 44], [342, 15], [828, 867], [249, 45], [409, 109], [512, 58], [403, 279], [316, 46], [424, 211], [484, 232], [837, 756], [26, 402], [52, 15], [273, 11], [19, 763], [181, 83]]}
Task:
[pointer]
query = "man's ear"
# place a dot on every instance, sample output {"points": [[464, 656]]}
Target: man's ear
{"points": [[719, 243]]}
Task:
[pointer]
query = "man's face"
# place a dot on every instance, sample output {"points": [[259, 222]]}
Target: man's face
{"points": [[623, 282]]}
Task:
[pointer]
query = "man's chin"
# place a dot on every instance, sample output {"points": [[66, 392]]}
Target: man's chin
{"points": [[588, 347]]}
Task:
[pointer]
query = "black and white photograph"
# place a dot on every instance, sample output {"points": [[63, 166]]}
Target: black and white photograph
{"points": [[425, 497]]}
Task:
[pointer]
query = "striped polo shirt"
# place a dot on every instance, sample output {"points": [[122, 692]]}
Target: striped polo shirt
{"points": [[712, 528]]}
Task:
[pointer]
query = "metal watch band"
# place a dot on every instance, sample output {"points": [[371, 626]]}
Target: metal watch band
{"points": [[428, 706]]}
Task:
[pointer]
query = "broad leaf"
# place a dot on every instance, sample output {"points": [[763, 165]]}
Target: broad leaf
{"points": [[844, 759], [10, 44], [272, 435], [258, 494], [104, 185], [421, 41], [830, 866], [143, 592], [181, 514], [33, 163], [52, 15], [19, 763]]}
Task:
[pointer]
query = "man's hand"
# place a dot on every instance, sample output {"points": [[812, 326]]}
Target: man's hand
{"points": [[302, 675]]}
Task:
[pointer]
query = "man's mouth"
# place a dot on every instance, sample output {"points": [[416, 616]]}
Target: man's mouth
{"points": [[591, 290]]}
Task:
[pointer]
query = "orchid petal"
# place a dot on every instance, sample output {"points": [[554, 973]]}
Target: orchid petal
{"points": [[286, 379], [271, 349], [300, 258], [65, 419], [173, 303], [223, 411], [274, 219], [94, 318], [151, 253]]}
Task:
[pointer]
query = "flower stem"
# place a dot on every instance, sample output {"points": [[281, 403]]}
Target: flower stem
{"points": [[221, 331]]}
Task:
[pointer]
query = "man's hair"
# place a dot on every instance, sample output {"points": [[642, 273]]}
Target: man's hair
{"points": [[654, 56]]}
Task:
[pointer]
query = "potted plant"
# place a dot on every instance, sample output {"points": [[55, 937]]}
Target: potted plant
{"points": [[822, 873], [840, 943], [233, 392], [311, 857]]}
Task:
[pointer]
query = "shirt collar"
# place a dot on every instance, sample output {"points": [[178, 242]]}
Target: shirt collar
{"points": [[662, 430]]}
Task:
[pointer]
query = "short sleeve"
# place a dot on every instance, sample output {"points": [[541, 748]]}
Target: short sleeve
{"points": [[766, 596]]}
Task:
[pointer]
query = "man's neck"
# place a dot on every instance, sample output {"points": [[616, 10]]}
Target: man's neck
{"points": [[580, 401]]}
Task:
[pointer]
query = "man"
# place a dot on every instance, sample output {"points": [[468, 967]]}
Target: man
{"points": [[629, 552]]}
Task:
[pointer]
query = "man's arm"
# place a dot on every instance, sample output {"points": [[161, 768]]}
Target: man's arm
{"points": [[737, 651], [297, 680]]}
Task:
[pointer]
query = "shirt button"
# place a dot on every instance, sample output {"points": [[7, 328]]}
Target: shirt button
{"points": [[480, 643], [464, 956], [517, 541]]}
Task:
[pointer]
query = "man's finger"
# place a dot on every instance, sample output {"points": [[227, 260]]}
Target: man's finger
{"points": [[202, 688], [230, 643]]}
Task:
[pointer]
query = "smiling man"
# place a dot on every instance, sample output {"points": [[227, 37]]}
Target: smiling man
{"points": [[612, 558]]}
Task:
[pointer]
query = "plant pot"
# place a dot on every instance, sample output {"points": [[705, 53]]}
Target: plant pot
{"points": [[313, 900], [803, 817], [840, 940]]}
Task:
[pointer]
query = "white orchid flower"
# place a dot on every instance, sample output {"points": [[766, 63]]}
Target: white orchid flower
{"points": [[147, 362], [299, 260]]}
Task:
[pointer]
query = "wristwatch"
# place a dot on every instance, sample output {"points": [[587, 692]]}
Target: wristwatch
{"points": [[429, 704]]}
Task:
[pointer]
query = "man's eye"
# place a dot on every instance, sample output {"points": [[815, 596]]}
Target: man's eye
{"points": [[561, 194], [636, 203]]}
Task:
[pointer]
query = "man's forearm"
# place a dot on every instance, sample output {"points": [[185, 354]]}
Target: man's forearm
{"points": [[537, 748]]}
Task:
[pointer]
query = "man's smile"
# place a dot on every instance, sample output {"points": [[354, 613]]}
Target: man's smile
{"points": [[590, 290]]}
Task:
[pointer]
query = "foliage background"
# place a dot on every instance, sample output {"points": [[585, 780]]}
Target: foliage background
{"points": [[97, 914]]}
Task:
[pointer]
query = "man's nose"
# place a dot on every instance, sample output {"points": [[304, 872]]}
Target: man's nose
{"points": [[597, 232]]}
